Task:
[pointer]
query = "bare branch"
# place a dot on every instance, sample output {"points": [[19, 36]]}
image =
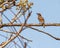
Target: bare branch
{"points": [[16, 44], [45, 33], [25, 45], [46, 24], [25, 38], [12, 38], [15, 18]]}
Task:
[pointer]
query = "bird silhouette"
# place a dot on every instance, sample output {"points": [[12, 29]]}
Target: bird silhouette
{"points": [[41, 19]]}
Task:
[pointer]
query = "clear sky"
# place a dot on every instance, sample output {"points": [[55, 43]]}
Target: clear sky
{"points": [[50, 10]]}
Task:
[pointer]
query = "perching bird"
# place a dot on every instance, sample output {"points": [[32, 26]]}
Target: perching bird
{"points": [[41, 19]]}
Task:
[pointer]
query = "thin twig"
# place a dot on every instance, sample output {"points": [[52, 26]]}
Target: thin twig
{"points": [[15, 18], [25, 45], [6, 31], [44, 33], [21, 40], [25, 38], [16, 44], [12, 38]]}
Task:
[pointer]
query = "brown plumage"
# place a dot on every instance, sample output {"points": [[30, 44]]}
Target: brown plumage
{"points": [[41, 19]]}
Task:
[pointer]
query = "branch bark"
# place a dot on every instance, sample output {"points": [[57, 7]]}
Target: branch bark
{"points": [[56, 38], [47, 24]]}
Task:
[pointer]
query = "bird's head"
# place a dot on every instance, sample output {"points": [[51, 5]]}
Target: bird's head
{"points": [[38, 14]]}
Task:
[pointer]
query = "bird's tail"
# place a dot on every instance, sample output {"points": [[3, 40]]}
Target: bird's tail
{"points": [[43, 25]]}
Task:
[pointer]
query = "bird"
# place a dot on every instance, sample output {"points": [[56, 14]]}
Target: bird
{"points": [[41, 19]]}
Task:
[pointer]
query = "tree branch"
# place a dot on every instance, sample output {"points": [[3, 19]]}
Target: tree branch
{"points": [[12, 38], [44, 33], [47, 24]]}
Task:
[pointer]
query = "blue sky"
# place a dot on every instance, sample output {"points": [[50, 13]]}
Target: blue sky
{"points": [[50, 10]]}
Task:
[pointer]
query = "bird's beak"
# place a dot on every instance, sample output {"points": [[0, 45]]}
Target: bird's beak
{"points": [[37, 13]]}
